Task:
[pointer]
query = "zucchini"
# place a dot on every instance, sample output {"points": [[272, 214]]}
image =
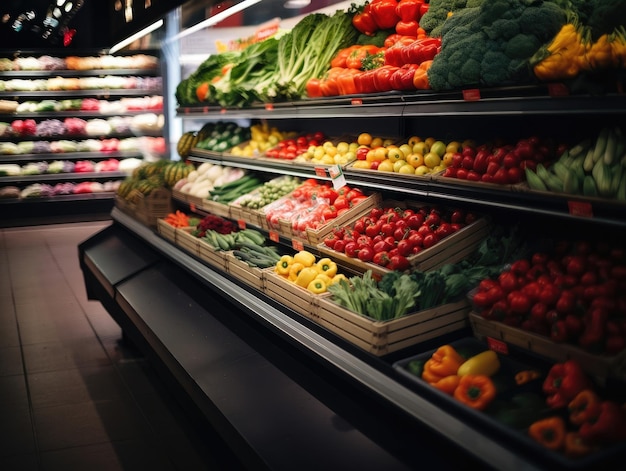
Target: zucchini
{"points": [[601, 143], [534, 181], [611, 148], [602, 176], [581, 148], [588, 162], [571, 183], [589, 186]]}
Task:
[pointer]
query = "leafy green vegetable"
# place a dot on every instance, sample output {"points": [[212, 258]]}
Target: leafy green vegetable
{"points": [[208, 70]]}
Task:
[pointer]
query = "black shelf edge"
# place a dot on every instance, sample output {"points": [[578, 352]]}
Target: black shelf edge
{"points": [[14, 158], [63, 177], [472, 440]]}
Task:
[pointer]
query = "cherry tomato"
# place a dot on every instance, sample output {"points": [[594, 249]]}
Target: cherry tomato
{"points": [[365, 253]]}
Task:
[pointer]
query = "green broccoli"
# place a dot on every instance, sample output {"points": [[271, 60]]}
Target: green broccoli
{"points": [[522, 46], [503, 29], [465, 18], [494, 68], [605, 16], [542, 21], [496, 9], [437, 14], [470, 72], [437, 77]]}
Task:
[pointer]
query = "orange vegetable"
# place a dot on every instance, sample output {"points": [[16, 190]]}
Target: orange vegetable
{"points": [[476, 391], [444, 362], [420, 78], [177, 219], [549, 432], [575, 446], [448, 384]]}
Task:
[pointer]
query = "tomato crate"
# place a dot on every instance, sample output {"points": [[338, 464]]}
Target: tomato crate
{"points": [[601, 367], [316, 236], [438, 177], [252, 276], [383, 337], [166, 230], [451, 249], [288, 293], [147, 209], [215, 258]]}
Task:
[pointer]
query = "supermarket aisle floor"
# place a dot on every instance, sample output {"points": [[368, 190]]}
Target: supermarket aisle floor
{"points": [[73, 396]]}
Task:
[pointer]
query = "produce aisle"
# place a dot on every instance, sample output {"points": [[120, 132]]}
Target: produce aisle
{"points": [[74, 395]]}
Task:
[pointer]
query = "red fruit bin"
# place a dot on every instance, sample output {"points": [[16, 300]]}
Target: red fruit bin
{"points": [[450, 249], [500, 335]]}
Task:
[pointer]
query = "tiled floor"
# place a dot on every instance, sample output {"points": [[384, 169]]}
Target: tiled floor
{"points": [[73, 396]]}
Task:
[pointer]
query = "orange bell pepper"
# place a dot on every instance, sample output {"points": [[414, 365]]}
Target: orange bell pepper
{"points": [[476, 391], [575, 446], [444, 362], [584, 407], [420, 78], [448, 384], [549, 432]]}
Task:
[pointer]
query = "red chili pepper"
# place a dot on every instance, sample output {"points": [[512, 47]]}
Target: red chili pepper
{"points": [[384, 13], [409, 10], [564, 381]]}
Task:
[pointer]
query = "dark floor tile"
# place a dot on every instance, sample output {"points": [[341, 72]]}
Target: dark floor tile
{"points": [[90, 384], [25, 462], [166, 419], [65, 355], [103, 324], [139, 377], [54, 328], [13, 392], [11, 361], [186, 456], [88, 423], [16, 431], [126, 455], [8, 331]]}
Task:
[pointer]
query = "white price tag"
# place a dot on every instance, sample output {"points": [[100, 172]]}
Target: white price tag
{"points": [[337, 176]]}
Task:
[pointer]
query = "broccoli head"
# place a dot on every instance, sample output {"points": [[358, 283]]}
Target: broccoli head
{"points": [[542, 21], [605, 16], [494, 68], [437, 14], [502, 29], [522, 46], [470, 72]]}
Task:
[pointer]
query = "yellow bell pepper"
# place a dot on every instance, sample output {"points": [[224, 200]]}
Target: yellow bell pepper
{"points": [[325, 278], [338, 277], [283, 265], [305, 258], [306, 275], [327, 266], [317, 286], [295, 270]]}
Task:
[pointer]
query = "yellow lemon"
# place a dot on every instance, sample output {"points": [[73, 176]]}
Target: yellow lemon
{"points": [[398, 165], [376, 142], [394, 154], [421, 148], [415, 160], [422, 170]]}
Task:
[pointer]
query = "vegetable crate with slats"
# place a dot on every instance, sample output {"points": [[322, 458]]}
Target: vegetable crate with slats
{"points": [[600, 366], [166, 230], [215, 258], [299, 299], [383, 337], [188, 241], [252, 276], [147, 209]]}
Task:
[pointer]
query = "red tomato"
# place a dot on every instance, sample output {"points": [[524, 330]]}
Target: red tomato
{"points": [[365, 254], [508, 281]]}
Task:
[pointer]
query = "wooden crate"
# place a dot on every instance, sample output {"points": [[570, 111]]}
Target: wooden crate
{"points": [[252, 276], [316, 236], [599, 366], [299, 299], [166, 230], [147, 209], [215, 208], [215, 258], [452, 249], [187, 241], [383, 337]]}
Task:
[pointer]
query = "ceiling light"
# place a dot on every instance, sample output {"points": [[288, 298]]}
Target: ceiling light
{"points": [[134, 37], [296, 4]]}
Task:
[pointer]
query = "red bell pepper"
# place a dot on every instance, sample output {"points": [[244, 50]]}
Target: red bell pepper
{"points": [[313, 89], [402, 79], [409, 10], [564, 381], [407, 28], [384, 13], [392, 39], [382, 78], [364, 21], [345, 81], [364, 82], [608, 427], [393, 55]]}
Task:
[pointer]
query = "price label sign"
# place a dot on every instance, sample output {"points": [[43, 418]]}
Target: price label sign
{"points": [[337, 177], [241, 224], [497, 346], [580, 208], [472, 94], [274, 236], [192, 207], [321, 172], [297, 245]]}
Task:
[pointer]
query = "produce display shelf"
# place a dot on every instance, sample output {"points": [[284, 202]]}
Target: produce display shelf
{"points": [[79, 73], [75, 114], [14, 179], [12, 158], [332, 353], [499, 101], [566, 207], [101, 92]]}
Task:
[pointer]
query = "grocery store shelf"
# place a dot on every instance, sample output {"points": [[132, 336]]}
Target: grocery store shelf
{"points": [[16, 179], [473, 441], [105, 93], [85, 114], [501, 101], [13, 158], [78, 73]]}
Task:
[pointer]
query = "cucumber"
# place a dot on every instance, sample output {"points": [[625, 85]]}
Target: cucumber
{"points": [[611, 148], [581, 148], [588, 162], [560, 169], [589, 186], [571, 183], [602, 176], [601, 143], [534, 181], [618, 174]]}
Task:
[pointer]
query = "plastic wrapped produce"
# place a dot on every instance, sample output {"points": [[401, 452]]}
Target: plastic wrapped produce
{"points": [[35, 168], [75, 125], [83, 166], [111, 185], [5, 129], [128, 165], [9, 148], [68, 166], [64, 188], [120, 124], [55, 167], [25, 147], [89, 145], [83, 187], [41, 147], [10, 169], [47, 105], [27, 63], [97, 127], [63, 146], [52, 63], [9, 192], [109, 165], [36, 190], [51, 127], [28, 106]]}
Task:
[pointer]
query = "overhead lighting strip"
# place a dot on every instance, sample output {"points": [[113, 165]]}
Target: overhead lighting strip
{"points": [[136, 36]]}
